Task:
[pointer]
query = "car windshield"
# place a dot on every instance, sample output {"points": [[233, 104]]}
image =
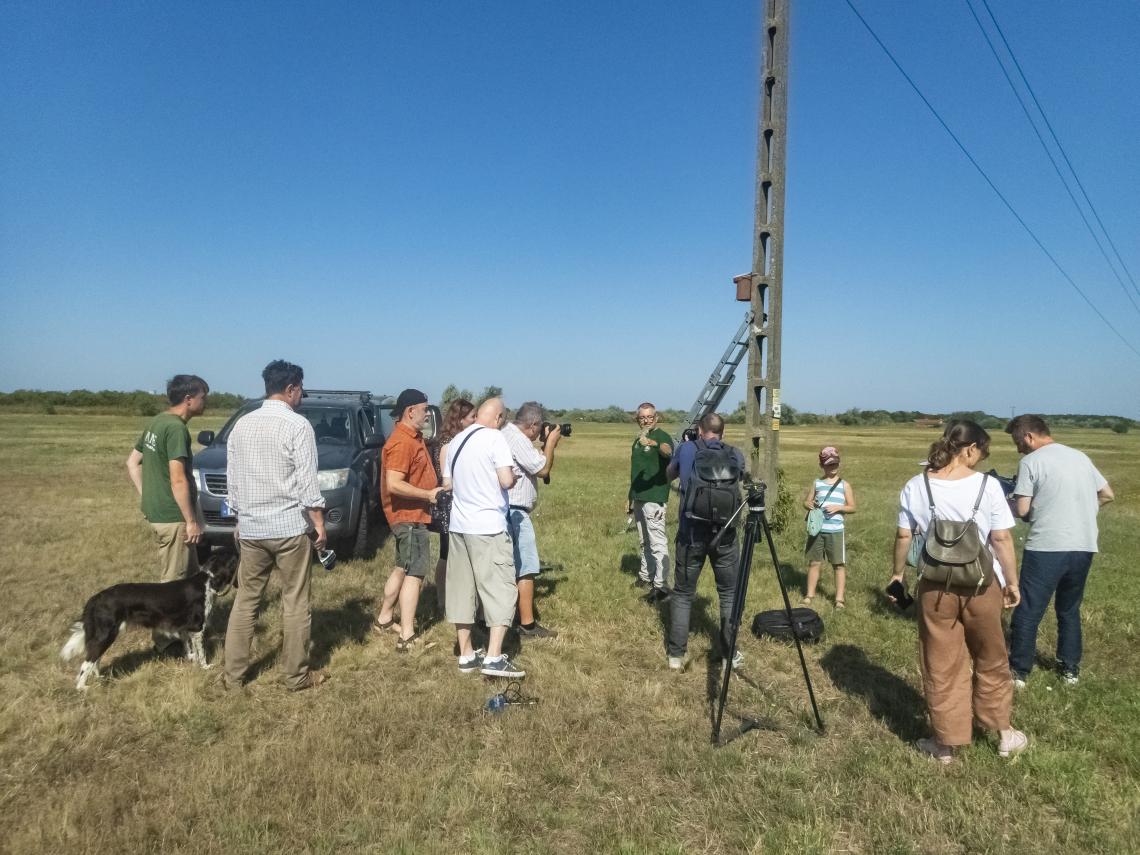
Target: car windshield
{"points": [[332, 425]]}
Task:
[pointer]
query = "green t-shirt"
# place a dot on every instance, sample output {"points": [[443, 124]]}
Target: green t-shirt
{"points": [[647, 479], [166, 438]]}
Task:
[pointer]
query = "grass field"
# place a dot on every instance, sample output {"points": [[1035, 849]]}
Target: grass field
{"points": [[396, 755]]}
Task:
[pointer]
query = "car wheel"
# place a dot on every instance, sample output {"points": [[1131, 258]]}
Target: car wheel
{"points": [[358, 544]]}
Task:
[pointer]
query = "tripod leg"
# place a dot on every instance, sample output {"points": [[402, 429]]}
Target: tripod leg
{"points": [[791, 621], [751, 534]]}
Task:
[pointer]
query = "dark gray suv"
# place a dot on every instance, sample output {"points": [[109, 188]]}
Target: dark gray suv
{"points": [[350, 427]]}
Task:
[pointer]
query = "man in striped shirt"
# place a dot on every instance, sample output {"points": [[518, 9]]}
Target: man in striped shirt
{"points": [[271, 476], [530, 464]]}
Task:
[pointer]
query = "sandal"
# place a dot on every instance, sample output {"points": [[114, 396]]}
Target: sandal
{"points": [[414, 641], [806, 601], [841, 604], [381, 628]]}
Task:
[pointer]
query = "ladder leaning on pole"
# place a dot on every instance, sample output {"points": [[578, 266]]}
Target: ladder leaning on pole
{"points": [[721, 379]]}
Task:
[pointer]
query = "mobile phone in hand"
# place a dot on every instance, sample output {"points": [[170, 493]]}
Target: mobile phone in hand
{"points": [[898, 590]]}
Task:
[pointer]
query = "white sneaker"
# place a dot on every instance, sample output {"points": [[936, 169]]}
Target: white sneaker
{"points": [[1070, 679], [676, 663], [1012, 742], [737, 660], [1018, 683]]}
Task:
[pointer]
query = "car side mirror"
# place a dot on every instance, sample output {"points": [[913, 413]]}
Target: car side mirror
{"points": [[373, 441], [434, 422], [205, 437]]}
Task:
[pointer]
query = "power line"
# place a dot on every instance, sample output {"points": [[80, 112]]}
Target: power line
{"points": [[1049, 154], [1060, 147], [988, 181]]}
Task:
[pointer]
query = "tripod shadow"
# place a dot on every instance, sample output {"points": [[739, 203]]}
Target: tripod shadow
{"points": [[714, 681], [889, 698]]}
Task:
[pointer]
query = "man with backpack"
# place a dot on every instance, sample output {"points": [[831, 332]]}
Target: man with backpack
{"points": [[710, 471]]}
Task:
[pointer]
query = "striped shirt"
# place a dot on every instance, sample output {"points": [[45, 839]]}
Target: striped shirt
{"points": [[271, 472], [831, 522], [528, 461]]}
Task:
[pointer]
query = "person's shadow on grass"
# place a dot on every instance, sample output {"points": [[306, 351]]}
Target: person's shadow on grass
{"points": [[889, 698]]}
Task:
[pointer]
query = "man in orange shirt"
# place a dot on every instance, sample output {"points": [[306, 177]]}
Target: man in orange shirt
{"points": [[408, 487]]}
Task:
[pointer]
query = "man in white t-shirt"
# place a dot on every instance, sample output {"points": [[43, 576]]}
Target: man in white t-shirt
{"points": [[1059, 492], [478, 470]]}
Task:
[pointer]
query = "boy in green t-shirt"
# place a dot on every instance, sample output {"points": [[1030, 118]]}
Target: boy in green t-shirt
{"points": [[648, 494], [161, 468]]}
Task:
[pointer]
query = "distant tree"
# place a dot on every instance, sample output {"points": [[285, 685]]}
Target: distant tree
{"points": [[452, 393]]}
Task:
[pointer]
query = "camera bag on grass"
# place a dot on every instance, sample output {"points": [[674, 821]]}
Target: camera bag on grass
{"points": [[953, 552], [713, 492], [774, 624], [814, 519]]}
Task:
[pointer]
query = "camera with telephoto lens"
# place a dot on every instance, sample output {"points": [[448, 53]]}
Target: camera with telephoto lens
{"points": [[1008, 485], [547, 427]]}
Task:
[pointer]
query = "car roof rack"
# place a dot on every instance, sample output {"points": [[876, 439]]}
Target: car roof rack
{"points": [[363, 395]]}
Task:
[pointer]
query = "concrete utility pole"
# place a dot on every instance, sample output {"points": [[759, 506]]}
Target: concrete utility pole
{"points": [[764, 286]]}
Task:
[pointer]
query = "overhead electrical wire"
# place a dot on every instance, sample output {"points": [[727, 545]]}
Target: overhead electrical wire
{"points": [[1049, 154], [989, 181], [1060, 147]]}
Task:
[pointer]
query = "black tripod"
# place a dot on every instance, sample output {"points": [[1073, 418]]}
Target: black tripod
{"points": [[754, 523]]}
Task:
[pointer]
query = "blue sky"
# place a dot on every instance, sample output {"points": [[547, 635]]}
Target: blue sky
{"points": [[553, 198]]}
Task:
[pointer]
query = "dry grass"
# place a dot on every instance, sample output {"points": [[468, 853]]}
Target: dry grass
{"points": [[395, 753]]}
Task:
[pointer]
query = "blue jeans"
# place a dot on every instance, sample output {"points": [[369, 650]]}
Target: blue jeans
{"points": [[1044, 574]]}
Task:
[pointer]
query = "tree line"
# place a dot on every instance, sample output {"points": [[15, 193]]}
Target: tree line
{"points": [[142, 403], [104, 402]]}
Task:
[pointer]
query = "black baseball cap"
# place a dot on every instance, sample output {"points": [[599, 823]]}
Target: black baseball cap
{"points": [[408, 398]]}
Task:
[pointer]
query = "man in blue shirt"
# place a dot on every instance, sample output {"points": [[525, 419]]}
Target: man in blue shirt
{"points": [[693, 546]]}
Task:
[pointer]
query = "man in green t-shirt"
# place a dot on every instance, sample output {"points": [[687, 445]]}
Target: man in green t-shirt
{"points": [[648, 493], [161, 468]]}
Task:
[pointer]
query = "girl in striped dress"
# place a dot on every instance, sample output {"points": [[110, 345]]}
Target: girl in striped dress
{"points": [[837, 498]]}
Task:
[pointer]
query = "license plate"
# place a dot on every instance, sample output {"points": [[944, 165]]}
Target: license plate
{"points": [[227, 511]]}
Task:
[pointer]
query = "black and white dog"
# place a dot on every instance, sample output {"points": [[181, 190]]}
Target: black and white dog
{"points": [[180, 608]]}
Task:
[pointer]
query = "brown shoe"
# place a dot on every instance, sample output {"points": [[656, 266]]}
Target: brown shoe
{"points": [[311, 681]]}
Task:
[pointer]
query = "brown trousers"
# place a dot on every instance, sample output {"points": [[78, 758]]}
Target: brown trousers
{"points": [[959, 632], [292, 556]]}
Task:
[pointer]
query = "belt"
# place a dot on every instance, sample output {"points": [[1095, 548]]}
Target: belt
{"points": [[519, 508]]}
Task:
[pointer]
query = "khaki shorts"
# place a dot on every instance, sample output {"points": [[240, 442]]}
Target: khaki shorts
{"points": [[827, 544], [483, 565], [413, 548]]}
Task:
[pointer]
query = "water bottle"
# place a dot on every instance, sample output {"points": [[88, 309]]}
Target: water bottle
{"points": [[496, 704]]}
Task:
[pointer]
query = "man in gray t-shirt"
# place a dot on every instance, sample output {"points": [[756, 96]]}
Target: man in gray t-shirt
{"points": [[1058, 492]]}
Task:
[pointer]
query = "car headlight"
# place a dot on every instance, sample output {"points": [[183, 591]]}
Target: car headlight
{"points": [[196, 474], [332, 479]]}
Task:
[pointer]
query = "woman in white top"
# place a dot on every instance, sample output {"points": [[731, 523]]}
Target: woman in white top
{"points": [[965, 663]]}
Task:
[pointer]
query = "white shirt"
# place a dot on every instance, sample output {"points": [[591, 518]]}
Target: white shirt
{"points": [[271, 472], [527, 461], [479, 503], [954, 500]]}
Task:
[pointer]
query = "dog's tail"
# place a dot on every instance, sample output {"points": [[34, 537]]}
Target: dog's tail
{"points": [[76, 644]]}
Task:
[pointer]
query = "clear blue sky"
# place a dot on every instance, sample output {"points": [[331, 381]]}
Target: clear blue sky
{"points": [[553, 198]]}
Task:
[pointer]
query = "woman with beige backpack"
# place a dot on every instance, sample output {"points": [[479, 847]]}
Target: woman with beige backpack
{"points": [[954, 526]]}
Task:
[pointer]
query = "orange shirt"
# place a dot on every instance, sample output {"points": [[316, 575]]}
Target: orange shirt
{"points": [[406, 452]]}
